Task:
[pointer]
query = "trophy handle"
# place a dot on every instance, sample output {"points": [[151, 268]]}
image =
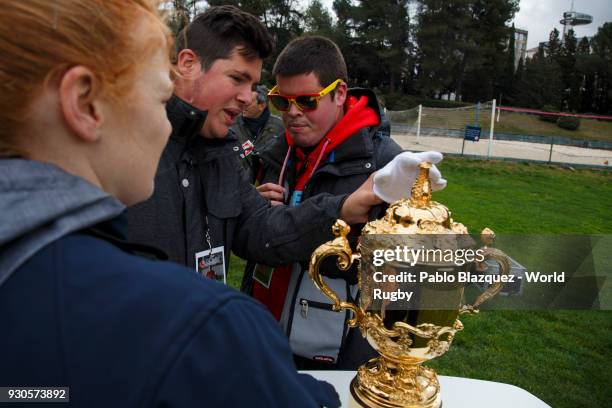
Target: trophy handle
{"points": [[339, 247], [488, 237]]}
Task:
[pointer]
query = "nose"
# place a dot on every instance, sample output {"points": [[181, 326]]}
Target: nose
{"points": [[244, 96], [293, 110]]}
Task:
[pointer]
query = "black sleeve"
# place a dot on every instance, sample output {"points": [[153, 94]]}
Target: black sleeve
{"points": [[240, 358], [282, 234]]}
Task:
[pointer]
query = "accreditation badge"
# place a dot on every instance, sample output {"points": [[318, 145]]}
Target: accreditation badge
{"points": [[211, 264], [248, 147], [296, 198], [263, 274]]}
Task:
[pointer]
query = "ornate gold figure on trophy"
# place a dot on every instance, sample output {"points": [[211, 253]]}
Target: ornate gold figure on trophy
{"points": [[406, 336]]}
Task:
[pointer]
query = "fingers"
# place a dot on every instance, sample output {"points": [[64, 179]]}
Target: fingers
{"points": [[435, 177], [270, 187], [432, 157], [439, 185], [395, 180], [357, 205], [409, 161], [272, 192]]}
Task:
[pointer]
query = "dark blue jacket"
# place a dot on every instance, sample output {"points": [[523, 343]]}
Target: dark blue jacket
{"points": [[124, 331]]}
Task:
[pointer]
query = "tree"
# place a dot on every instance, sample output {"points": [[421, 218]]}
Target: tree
{"points": [[569, 74], [507, 78], [255, 7], [317, 20], [540, 83], [443, 42], [602, 50], [554, 44], [344, 36], [485, 72], [382, 28], [181, 12], [461, 46], [586, 73]]}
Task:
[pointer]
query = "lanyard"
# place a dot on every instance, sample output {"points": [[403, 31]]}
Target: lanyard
{"points": [[206, 237], [305, 176], [207, 233]]}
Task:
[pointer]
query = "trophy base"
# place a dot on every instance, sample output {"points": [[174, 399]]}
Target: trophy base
{"points": [[377, 385]]}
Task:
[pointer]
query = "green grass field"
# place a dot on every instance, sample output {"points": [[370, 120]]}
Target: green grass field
{"points": [[560, 356], [523, 124], [510, 122]]}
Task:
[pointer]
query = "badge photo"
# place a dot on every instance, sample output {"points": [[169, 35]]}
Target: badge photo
{"points": [[211, 264]]}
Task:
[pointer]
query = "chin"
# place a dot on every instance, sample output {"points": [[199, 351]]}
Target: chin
{"points": [[137, 196], [305, 141], [215, 132], [221, 132]]}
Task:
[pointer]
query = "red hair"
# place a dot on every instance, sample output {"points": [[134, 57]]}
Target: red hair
{"points": [[40, 39]]}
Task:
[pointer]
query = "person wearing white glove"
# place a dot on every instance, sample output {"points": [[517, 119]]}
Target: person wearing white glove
{"points": [[394, 181]]}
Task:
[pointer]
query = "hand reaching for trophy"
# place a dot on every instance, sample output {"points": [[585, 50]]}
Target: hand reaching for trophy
{"points": [[393, 182]]}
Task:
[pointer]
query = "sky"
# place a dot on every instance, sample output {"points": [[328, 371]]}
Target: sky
{"points": [[539, 17]]}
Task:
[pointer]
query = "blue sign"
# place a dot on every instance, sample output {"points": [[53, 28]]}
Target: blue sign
{"points": [[472, 133]]}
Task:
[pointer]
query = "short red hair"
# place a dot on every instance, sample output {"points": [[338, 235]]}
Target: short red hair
{"points": [[40, 39]]}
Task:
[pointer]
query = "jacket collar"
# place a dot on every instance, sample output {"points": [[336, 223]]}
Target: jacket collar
{"points": [[41, 203], [114, 231], [187, 121]]}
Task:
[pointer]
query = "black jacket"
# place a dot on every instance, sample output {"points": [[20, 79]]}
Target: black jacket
{"points": [[199, 179], [267, 135]]}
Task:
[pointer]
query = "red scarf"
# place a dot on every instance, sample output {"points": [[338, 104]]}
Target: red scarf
{"points": [[357, 116]]}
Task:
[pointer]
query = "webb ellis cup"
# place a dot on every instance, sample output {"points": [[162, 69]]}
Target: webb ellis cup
{"points": [[408, 332]]}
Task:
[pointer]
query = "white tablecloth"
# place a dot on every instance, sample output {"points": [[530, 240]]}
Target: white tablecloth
{"points": [[457, 392]]}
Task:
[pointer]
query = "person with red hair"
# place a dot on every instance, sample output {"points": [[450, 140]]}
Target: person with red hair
{"points": [[83, 89]]}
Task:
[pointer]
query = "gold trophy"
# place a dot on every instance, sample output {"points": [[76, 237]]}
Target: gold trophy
{"points": [[406, 337]]}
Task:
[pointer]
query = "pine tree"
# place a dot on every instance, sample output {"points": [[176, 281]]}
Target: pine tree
{"points": [[507, 79], [602, 49], [461, 46], [540, 84], [571, 79], [317, 19], [586, 67], [554, 44], [486, 74], [444, 44], [382, 28]]}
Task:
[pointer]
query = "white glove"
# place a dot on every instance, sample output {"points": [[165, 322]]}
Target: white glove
{"points": [[394, 181]]}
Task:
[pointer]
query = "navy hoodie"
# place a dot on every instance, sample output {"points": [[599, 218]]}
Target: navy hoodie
{"points": [[78, 310]]}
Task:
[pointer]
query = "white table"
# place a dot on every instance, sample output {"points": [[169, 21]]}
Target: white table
{"points": [[457, 392]]}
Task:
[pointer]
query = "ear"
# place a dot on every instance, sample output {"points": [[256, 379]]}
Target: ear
{"points": [[341, 93], [188, 64], [80, 104]]}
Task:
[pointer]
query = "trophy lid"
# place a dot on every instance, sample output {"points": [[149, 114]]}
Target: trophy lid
{"points": [[417, 214]]}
